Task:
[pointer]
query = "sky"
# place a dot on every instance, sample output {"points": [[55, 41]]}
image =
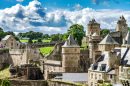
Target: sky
{"points": [[56, 16]]}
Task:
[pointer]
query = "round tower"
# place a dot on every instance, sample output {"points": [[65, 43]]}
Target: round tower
{"points": [[70, 56], [122, 27]]}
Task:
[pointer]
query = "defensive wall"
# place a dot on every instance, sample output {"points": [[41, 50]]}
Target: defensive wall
{"points": [[15, 82], [47, 44], [4, 54]]}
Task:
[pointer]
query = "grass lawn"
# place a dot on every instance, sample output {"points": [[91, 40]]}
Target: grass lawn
{"points": [[46, 50], [44, 40], [4, 72]]}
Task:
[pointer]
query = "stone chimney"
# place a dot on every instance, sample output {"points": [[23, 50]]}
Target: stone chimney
{"points": [[112, 56], [97, 54]]}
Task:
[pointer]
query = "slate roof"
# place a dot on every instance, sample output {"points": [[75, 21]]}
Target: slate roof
{"points": [[6, 37], [70, 42], [95, 34], [108, 40], [127, 38]]}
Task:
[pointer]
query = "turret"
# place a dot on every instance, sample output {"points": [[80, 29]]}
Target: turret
{"points": [[93, 44], [70, 55], [122, 27], [107, 44], [93, 26]]}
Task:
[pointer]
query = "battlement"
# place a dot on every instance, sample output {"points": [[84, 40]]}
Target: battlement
{"points": [[17, 51]]}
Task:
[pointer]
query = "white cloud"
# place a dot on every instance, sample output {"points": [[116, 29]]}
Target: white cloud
{"points": [[32, 17], [77, 7], [20, 0], [106, 3]]}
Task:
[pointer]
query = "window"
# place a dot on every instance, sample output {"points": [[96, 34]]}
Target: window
{"points": [[110, 76], [12, 44], [121, 69], [11, 39], [91, 83], [99, 76], [95, 76], [95, 84], [91, 76]]}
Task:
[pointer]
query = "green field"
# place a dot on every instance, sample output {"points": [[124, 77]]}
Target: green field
{"points": [[46, 50], [44, 40], [4, 72]]}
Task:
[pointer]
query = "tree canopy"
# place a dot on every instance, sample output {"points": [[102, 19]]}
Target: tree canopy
{"points": [[77, 31], [128, 28], [104, 31]]}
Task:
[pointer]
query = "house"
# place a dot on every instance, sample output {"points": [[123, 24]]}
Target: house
{"points": [[9, 42]]}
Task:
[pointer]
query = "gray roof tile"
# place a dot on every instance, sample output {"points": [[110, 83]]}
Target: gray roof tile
{"points": [[70, 42], [108, 40]]}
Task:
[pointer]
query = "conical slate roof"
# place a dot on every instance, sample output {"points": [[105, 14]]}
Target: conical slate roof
{"points": [[127, 38], [108, 40], [70, 42]]}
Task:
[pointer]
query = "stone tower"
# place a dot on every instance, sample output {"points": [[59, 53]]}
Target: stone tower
{"points": [[93, 26], [122, 27], [107, 44], [70, 56], [93, 44]]}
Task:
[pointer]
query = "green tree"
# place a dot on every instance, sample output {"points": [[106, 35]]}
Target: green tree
{"points": [[10, 33], [39, 40], [17, 39], [5, 82], [30, 41], [77, 31], [54, 37], [46, 36], [128, 28], [104, 31], [1, 33]]}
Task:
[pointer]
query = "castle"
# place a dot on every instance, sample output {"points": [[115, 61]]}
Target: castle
{"points": [[105, 60]]}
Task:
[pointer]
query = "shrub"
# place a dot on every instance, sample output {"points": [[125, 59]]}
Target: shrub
{"points": [[5, 82]]}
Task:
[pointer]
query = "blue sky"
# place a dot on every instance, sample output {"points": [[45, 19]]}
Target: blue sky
{"points": [[55, 16]]}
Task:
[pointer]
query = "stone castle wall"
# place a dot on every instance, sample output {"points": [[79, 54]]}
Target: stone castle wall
{"points": [[21, 56], [17, 56], [27, 82], [15, 82], [51, 66], [4, 54]]}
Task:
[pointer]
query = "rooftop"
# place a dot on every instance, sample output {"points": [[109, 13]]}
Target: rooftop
{"points": [[70, 42], [6, 37], [108, 40]]}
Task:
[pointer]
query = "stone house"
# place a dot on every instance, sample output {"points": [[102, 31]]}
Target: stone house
{"points": [[106, 66], [9, 42]]}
